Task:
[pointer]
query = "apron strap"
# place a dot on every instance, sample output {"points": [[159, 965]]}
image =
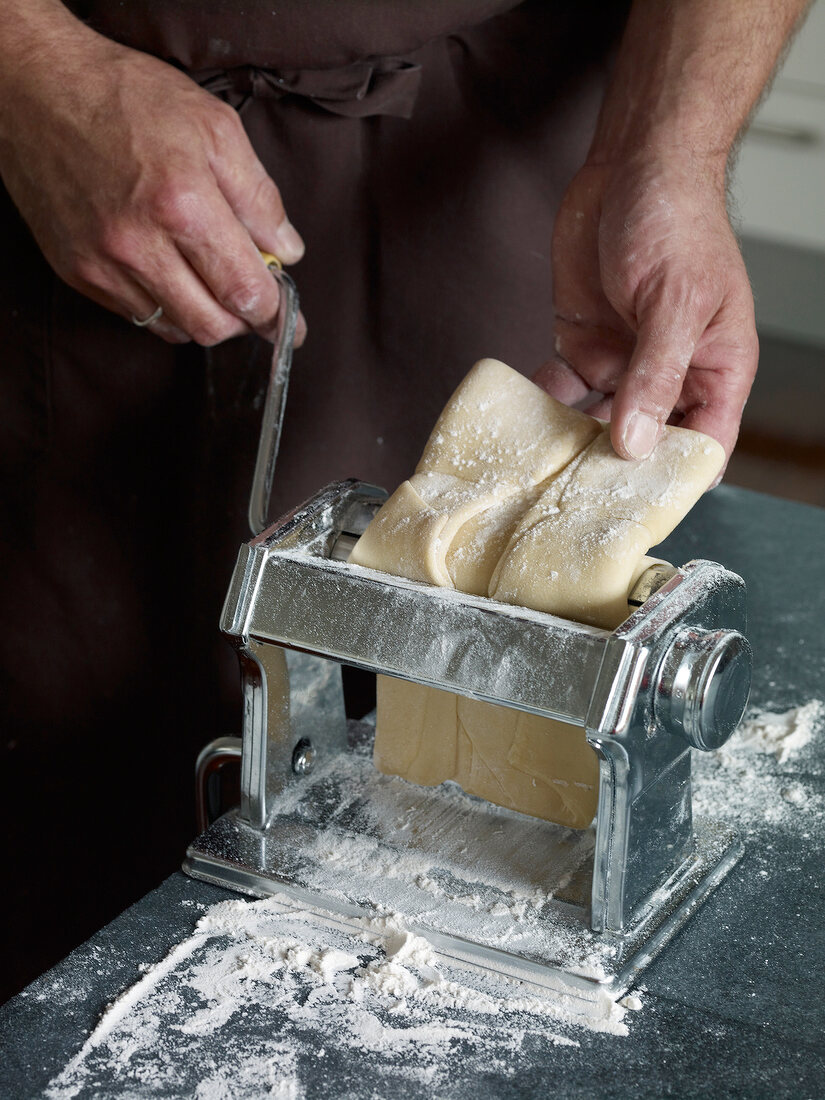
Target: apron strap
{"points": [[378, 86]]}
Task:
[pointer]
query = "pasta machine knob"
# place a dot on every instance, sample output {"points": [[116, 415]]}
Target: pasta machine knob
{"points": [[703, 686]]}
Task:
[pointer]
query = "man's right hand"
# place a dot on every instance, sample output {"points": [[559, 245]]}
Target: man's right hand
{"points": [[141, 189]]}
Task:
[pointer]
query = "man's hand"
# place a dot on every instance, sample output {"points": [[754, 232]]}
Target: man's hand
{"points": [[653, 307], [141, 189], [652, 302]]}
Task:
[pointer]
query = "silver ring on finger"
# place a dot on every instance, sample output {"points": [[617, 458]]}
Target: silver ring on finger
{"points": [[150, 320]]}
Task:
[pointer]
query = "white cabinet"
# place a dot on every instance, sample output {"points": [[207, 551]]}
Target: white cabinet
{"points": [[780, 192], [781, 171]]}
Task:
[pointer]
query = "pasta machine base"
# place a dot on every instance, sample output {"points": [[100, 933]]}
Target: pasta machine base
{"points": [[487, 887]]}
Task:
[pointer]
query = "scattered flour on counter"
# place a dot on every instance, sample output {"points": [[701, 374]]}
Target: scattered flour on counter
{"points": [[783, 735], [753, 781], [266, 997]]}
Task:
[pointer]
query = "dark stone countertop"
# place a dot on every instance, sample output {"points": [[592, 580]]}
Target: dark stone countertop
{"points": [[732, 1008]]}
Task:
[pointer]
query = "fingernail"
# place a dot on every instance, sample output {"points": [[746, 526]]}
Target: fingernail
{"points": [[290, 246], [640, 435]]}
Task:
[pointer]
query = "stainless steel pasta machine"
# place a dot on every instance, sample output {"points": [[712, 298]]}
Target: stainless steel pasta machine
{"points": [[582, 909]]}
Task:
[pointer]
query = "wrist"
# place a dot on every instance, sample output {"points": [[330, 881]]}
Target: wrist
{"points": [[657, 162], [652, 121]]}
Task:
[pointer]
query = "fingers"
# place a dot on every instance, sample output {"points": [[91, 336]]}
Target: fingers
{"points": [[218, 228], [652, 304], [589, 357], [642, 405], [561, 381], [601, 409], [188, 312], [256, 202], [138, 270], [300, 330], [683, 369], [135, 276], [720, 420], [168, 279], [701, 366], [723, 393], [199, 264], [651, 386], [251, 192], [236, 276], [116, 291], [725, 370], [229, 265]]}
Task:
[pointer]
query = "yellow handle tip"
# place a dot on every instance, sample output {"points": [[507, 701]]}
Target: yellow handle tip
{"points": [[271, 260]]}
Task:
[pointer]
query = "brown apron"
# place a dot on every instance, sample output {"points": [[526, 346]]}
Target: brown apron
{"points": [[421, 151]]}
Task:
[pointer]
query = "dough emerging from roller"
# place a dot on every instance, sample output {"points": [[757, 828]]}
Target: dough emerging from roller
{"points": [[523, 499]]}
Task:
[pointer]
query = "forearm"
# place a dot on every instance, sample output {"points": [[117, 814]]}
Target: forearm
{"points": [[32, 29], [688, 75], [19, 19], [43, 46]]}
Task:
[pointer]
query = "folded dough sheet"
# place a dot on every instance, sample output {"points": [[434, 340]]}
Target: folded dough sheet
{"points": [[522, 499]]}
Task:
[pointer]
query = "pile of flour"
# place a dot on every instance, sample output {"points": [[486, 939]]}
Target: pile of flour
{"points": [[268, 999], [264, 996]]}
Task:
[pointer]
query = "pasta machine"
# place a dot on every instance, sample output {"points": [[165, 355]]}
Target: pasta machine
{"points": [[545, 904]]}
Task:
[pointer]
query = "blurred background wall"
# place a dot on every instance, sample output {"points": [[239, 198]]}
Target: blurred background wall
{"points": [[779, 190]]}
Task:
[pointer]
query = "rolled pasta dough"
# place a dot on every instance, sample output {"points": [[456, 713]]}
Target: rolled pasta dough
{"points": [[523, 499]]}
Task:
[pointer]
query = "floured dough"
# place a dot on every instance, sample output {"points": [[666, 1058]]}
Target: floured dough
{"points": [[536, 765], [496, 443], [523, 499], [575, 552]]}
